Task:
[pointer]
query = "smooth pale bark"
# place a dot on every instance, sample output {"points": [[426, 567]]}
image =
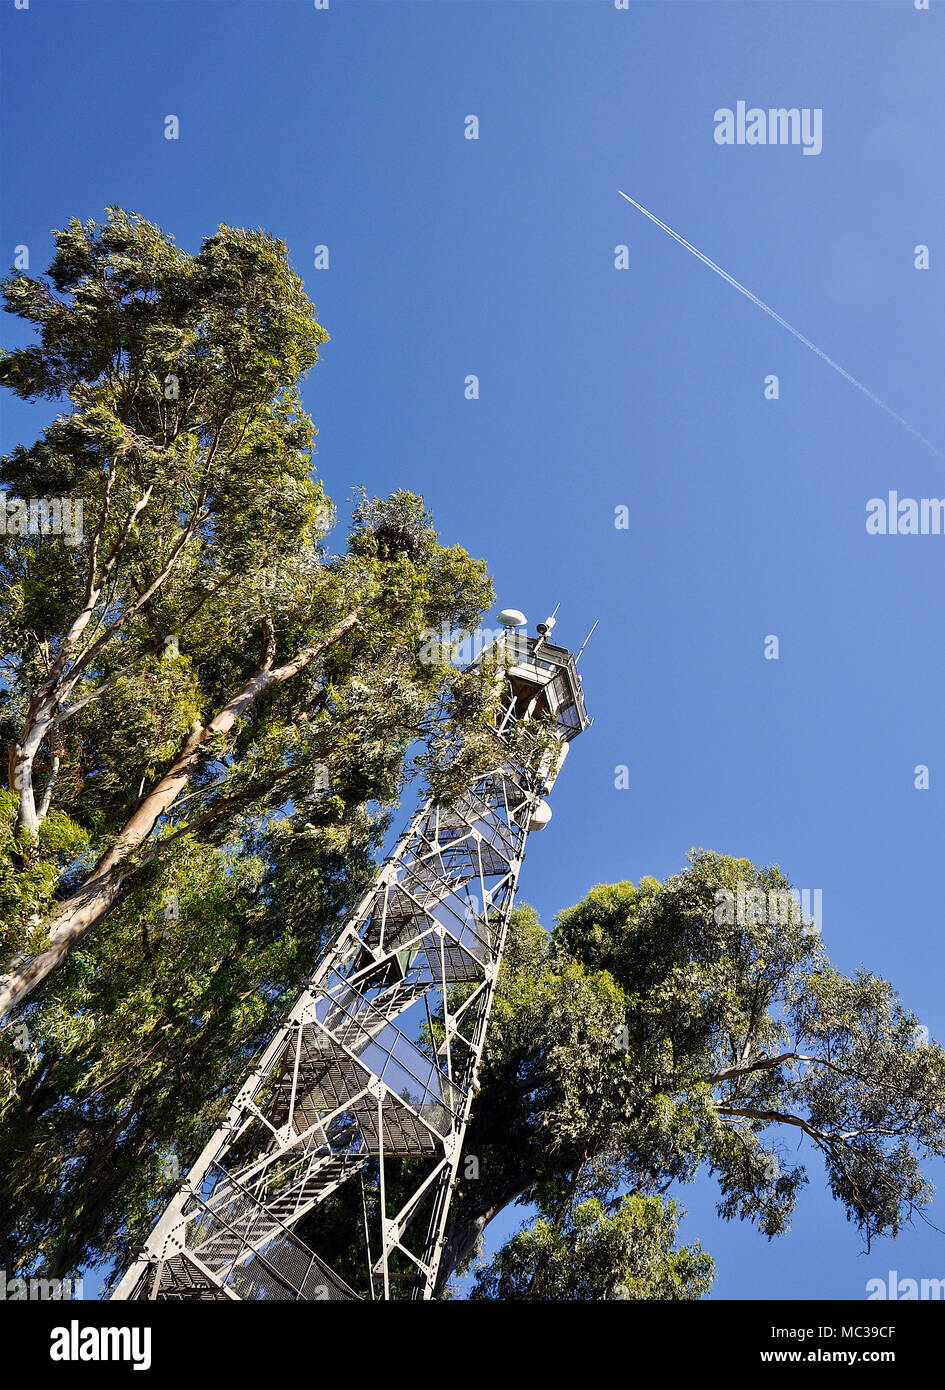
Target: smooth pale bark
{"points": [[41, 715], [103, 887]]}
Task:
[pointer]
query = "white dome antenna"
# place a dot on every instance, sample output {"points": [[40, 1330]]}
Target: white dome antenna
{"points": [[511, 617]]}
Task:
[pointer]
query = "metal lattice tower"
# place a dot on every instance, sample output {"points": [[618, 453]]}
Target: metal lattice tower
{"points": [[346, 1137]]}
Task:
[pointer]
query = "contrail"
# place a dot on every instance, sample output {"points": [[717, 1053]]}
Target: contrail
{"points": [[784, 323]]}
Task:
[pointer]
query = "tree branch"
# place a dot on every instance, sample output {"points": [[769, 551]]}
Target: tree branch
{"points": [[102, 888]]}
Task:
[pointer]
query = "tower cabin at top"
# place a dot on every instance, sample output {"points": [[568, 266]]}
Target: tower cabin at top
{"points": [[543, 680]]}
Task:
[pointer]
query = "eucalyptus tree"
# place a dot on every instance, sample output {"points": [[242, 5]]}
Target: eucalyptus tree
{"points": [[666, 1028], [196, 652], [209, 715], [208, 711]]}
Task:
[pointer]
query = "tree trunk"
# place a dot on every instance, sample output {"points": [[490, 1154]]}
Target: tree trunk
{"points": [[463, 1236], [104, 886]]}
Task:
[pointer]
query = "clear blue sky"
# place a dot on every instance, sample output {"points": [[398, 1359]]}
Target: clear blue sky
{"points": [[601, 388]]}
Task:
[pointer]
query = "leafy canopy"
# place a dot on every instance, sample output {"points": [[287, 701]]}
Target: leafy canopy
{"points": [[209, 711], [652, 1034]]}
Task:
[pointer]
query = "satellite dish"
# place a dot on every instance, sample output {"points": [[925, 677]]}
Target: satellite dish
{"points": [[511, 617]]}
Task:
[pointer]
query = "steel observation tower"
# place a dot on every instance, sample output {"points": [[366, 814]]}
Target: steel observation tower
{"points": [[331, 1175]]}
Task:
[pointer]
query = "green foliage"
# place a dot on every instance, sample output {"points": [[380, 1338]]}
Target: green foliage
{"points": [[136, 1041], [204, 560], [627, 1253], [652, 1035], [27, 886]]}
